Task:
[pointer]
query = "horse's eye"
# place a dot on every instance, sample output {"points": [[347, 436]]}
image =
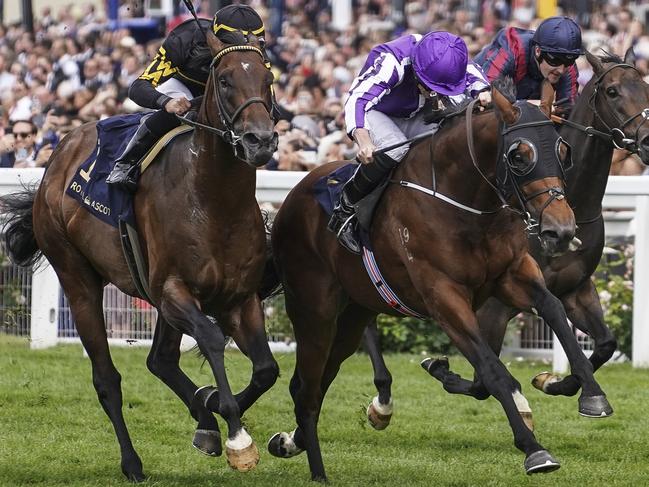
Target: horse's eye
{"points": [[224, 83], [611, 92]]}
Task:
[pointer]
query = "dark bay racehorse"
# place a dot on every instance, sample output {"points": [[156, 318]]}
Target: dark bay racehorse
{"points": [[612, 111], [204, 241], [442, 261]]}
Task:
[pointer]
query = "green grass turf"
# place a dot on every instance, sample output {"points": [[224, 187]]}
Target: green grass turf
{"points": [[54, 432]]}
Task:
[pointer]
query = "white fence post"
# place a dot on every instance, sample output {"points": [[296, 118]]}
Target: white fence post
{"points": [[641, 284], [45, 307]]}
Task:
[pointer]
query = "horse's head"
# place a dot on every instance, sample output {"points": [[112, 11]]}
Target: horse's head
{"points": [[619, 99], [239, 93], [530, 165]]}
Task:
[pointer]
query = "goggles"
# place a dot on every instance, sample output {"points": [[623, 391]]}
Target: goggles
{"points": [[555, 59]]}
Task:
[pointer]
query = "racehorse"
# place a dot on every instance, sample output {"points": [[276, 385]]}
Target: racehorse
{"points": [[204, 242], [440, 257], [612, 111]]}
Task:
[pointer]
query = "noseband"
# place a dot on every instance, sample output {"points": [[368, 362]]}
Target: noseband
{"points": [[228, 120]]}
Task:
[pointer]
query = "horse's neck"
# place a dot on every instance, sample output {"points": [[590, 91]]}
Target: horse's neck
{"points": [[452, 166], [592, 162]]}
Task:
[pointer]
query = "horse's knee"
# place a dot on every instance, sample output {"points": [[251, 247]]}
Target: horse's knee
{"points": [[104, 383]]}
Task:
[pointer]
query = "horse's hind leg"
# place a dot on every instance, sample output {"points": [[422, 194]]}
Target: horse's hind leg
{"points": [[379, 412], [181, 310], [84, 289], [164, 363], [585, 312], [250, 337]]}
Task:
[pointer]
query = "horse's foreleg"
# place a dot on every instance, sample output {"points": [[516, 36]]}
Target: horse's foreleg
{"points": [[85, 294], [250, 337], [164, 363], [182, 311], [460, 324], [379, 412], [526, 289], [585, 312]]}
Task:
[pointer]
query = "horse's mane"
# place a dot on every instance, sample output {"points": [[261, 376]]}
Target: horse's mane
{"points": [[608, 57]]}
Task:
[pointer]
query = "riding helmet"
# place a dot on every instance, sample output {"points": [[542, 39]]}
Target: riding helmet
{"points": [[558, 35], [234, 19], [439, 61]]}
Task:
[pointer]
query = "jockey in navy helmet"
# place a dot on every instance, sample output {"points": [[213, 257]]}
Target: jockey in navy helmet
{"points": [[529, 57]]}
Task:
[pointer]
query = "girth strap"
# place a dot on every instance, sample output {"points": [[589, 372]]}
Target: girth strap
{"points": [[386, 293]]}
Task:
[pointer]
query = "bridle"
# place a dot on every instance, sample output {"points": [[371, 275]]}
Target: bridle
{"points": [[615, 135], [553, 192], [228, 120]]}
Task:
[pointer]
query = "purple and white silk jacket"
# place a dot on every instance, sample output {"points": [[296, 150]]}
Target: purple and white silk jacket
{"points": [[387, 83]]}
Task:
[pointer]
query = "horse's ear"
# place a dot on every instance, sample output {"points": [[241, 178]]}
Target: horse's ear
{"points": [[503, 98], [213, 42], [629, 56], [547, 98], [594, 62]]}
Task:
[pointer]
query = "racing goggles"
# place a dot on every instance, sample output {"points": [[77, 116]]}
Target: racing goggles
{"points": [[555, 59]]}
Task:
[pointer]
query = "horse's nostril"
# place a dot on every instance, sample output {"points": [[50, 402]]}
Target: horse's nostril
{"points": [[259, 138]]}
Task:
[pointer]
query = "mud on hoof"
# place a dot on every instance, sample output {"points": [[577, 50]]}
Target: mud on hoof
{"points": [[282, 445], [241, 452], [379, 415], [208, 442], [540, 462], [542, 380], [594, 407]]}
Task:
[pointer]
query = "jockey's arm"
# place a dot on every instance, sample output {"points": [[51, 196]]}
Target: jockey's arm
{"points": [[365, 145]]}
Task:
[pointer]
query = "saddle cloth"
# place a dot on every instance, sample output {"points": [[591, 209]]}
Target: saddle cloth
{"points": [[88, 186]]}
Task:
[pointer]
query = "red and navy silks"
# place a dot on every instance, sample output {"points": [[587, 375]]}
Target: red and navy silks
{"points": [[511, 54], [88, 186]]}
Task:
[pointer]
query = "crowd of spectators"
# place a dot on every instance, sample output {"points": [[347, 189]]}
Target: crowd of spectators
{"points": [[74, 69]]}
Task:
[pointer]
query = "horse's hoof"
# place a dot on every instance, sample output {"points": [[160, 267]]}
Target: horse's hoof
{"points": [[527, 419], [543, 380], [208, 442], [540, 462], [594, 407], [241, 452], [379, 415], [281, 445], [136, 477]]}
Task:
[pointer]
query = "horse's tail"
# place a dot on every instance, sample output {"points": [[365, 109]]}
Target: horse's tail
{"points": [[20, 243], [271, 284]]}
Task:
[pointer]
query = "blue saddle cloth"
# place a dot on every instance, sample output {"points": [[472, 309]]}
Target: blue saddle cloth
{"points": [[88, 186], [327, 192]]}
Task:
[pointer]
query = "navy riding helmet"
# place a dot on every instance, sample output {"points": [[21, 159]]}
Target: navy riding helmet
{"points": [[559, 36]]}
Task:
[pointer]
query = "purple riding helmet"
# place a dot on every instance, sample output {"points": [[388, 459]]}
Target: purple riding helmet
{"points": [[439, 61]]}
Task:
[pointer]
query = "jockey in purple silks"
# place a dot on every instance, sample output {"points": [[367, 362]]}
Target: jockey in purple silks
{"points": [[529, 57], [385, 108]]}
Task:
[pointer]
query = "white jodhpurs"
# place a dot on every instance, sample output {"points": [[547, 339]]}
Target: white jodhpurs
{"points": [[386, 131]]}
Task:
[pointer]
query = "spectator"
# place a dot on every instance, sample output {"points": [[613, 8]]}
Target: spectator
{"points": [[19, 147]]}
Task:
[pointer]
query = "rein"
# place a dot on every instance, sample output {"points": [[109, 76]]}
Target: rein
{"points": [[615, 135]]}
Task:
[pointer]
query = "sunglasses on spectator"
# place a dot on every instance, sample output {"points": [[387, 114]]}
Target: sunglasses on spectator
{"points": [[22, 135], [558, 59]]}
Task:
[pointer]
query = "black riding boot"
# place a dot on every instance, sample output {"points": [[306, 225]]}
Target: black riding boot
{"points": [[365, 179], [125, 170]]}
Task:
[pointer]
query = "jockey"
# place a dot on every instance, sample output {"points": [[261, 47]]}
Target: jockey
{"points": [[385, 108], [177, 74], [529, 57]]}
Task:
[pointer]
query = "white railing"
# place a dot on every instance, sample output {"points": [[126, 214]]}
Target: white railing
{"points": [[626, 207]]}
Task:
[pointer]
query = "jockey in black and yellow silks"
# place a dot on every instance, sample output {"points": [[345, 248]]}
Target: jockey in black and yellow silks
{"points": [[177, 74]]}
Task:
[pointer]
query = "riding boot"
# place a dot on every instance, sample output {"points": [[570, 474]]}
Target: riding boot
{"points": [[367, 177], [124, 174]]}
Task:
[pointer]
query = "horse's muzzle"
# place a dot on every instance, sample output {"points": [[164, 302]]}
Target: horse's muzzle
{"points": [[259, 147], [555, 239]]}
